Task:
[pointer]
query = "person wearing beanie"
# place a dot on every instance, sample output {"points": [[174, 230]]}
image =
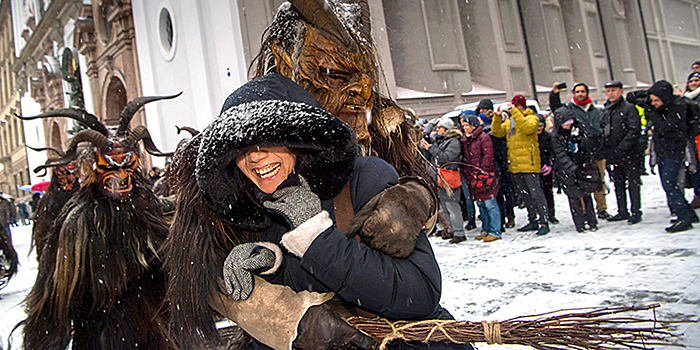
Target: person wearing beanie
{"points": [[675, 121], [591, 118], [519, 127], [547, 161], [621, 141], [445, 152], [478, 155], [469, 206]]}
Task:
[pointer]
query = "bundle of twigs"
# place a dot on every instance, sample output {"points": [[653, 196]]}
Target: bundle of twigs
{"points": [[583, 328]]}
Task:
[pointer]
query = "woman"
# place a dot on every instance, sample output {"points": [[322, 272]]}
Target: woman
{"points": [[273, 162], [575, 167], [477, 151], [444, 151]]}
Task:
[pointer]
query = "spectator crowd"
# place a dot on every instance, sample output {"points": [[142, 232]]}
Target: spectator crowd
{"points": [[497, 160]]}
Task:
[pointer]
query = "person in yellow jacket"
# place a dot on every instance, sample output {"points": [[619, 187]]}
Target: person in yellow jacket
{"points": [[520, 129]]}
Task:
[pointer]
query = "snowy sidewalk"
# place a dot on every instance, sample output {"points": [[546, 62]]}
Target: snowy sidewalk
{"points": [[523, 274]]}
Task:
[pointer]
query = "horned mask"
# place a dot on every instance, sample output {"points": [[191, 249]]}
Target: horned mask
{"points": [[116, 149]]}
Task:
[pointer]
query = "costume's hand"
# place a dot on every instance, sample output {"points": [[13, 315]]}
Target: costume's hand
{"points": [[323, 327], [391, 221], [546, 169], [240, 264], [296, 203]]}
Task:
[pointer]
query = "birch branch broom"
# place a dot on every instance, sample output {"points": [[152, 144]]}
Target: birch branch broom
{"points": [[582, 328]]}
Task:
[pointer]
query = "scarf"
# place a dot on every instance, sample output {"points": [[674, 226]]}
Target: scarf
{"points": [[582, 103], [692, 94]]}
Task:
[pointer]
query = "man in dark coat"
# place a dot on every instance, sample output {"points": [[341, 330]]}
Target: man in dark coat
{"points": [[675, 121], [622, 132], [590, 118]]}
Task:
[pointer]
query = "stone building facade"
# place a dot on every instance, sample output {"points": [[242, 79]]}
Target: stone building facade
{"points": [[14, 170], [436, 54]]}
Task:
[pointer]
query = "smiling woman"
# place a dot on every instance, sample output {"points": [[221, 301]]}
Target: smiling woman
{"points": [[267, 167]]}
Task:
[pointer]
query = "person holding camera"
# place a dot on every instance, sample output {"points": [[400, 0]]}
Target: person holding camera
{"points": [[446, 152], [590, 117], [622, 132], [675, 121], [519, 127]]}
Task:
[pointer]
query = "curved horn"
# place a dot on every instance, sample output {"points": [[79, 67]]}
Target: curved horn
{"points": [[133, 106], [91, 136], [141, 133], [78, 114], [192, 131], [321, 16], [41, 149]]}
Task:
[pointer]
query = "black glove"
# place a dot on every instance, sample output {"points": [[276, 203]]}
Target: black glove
{"points": [[391, 221], [240, 264], [323, 327], [296, 203]]}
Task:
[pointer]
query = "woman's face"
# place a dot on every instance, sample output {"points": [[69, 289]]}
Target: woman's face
{"points": [[267, 167], [468, 128], [693, 83]]}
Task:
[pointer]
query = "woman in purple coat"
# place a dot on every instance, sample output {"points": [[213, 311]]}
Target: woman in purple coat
{"points": [[477, 152]]}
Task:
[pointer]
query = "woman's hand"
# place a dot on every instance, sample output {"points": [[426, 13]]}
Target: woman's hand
{"points": [[297, 204]]}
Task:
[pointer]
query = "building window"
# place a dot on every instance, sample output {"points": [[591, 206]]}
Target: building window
{"points": [[167, 33], [445, 40]]}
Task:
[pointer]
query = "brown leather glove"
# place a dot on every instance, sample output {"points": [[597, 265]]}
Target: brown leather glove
{"points": [[323, 327], [391, 221]]}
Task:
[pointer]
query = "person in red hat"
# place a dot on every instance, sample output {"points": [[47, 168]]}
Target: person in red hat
{"points": [[519, 125]]}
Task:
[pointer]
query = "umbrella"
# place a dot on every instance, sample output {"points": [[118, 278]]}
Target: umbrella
{"points": [[41, 186], [27, 188]]}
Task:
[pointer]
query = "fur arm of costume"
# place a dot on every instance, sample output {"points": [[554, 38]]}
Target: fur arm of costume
{"points": [[272, 312]]}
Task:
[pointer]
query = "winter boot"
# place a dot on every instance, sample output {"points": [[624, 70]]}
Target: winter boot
{"points": [[696, 202], [511, 222], [635, 219], [470, 225], [457, 239], [490, 238], [542, 230], [531, 226]]}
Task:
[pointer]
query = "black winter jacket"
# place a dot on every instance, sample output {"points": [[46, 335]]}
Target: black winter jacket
{"points": [[572, 148], [590, 119], [393, 288], [675, 123], [622, 131]]}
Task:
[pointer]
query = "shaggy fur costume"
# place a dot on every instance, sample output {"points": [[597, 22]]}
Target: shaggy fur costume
{"points": [[99, 279], [47, 210]]}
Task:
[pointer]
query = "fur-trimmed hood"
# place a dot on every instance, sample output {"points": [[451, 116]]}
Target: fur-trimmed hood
{"points": [[272, 111]]}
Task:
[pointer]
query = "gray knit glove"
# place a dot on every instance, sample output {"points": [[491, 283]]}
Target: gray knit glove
{"points": [[244, 260], [296, 203]]}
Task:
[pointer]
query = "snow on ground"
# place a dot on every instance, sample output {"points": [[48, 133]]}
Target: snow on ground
{"points": [[523, 274]]}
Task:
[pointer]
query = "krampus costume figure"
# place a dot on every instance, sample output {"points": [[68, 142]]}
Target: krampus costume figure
{"points": [[99, 281], [64, 183], [326, 47]]}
